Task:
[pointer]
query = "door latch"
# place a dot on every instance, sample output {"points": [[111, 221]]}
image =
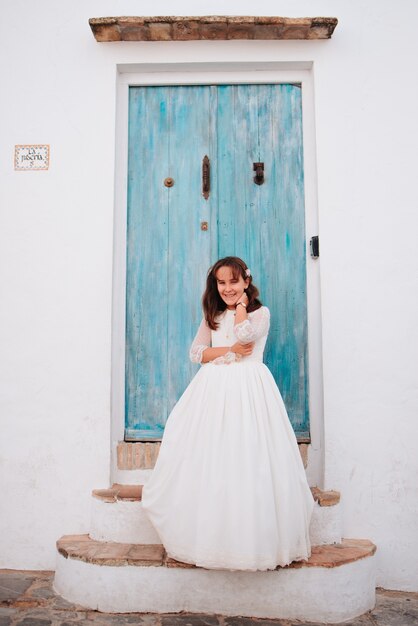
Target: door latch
{"points": [[259, 173], [314, 245]]}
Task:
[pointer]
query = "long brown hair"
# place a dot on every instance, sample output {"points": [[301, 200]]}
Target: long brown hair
{"points": [[212, 301]]}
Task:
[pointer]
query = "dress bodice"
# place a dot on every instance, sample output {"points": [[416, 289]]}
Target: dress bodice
{"points": [[254, 329], [227, 335]]}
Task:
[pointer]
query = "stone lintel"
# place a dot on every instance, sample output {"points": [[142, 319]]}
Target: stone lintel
{"points": [[215, 27]]}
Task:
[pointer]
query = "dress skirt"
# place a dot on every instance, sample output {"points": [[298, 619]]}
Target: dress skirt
{"points": [[229, 489]]}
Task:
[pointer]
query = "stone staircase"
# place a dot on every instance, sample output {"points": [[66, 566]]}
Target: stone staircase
{"points": [[121, 567]]}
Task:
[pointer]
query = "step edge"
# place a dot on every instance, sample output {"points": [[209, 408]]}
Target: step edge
{"points": [[118, 492], [114, 494], [68, 546]]}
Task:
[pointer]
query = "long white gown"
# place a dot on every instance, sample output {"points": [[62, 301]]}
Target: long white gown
{"points": [[229, 489]]}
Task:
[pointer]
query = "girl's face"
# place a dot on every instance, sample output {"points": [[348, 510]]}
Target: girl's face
{"points": [[230, 288]]}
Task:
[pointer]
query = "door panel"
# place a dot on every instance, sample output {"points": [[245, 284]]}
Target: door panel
{"points": [[168, 137], [265, 224], [170, 131]]}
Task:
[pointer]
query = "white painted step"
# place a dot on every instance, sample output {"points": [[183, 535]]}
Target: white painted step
{"points": [[336, 584], [121, 521], [116, 517], [132, 476], [326, 524]]}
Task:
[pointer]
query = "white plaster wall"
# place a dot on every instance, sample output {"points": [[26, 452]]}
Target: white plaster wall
{"points": [[58, 87]]}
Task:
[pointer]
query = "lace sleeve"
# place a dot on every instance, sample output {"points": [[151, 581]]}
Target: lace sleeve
{"points": [[256, 325], [200, 342], [226, 359]]}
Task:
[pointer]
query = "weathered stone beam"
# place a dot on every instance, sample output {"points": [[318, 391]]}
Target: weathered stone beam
{"points": [[214, 27]]}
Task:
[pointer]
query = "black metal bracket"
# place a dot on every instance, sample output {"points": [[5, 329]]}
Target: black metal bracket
{"points": [[314, 245]]}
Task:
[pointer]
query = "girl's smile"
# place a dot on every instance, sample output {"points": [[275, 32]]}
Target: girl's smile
{"points": [[230, 288]]}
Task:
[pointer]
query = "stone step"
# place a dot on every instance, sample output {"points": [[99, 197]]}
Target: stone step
{"points": [[143, 454], [117, 515], [337, 583], [326, 522], [132, 476], [135, 460]]}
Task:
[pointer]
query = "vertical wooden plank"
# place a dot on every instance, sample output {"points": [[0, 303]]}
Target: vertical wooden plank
{"points": [[189, 245], [147, 260], [239, 196], [288, 340]]}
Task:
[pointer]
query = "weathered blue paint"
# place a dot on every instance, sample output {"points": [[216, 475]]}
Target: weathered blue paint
{"points": [[170, 130], [167, 253], [265, 225]]}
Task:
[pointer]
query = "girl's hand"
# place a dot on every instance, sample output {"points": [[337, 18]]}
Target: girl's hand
{"points": [[243, 299], [244, 349]]}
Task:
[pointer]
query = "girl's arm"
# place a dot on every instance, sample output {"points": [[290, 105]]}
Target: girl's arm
{"points": [[200, 343], [201, 352], [241, 311], [251, 328], [210, 354]]}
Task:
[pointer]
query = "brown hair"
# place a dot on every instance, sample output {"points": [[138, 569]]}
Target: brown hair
{"points": [[212, 301]]}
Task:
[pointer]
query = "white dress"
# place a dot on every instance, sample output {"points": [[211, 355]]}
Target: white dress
{"points": [[229, 489]]}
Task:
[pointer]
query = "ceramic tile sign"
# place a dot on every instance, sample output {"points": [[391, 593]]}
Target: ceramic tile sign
{"points": [[31, 157]]}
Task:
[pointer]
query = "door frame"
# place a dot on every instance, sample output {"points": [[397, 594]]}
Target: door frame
{"points": [[201, 74]]}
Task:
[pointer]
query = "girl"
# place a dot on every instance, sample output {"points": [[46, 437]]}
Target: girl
{"points": [[229, 490]]}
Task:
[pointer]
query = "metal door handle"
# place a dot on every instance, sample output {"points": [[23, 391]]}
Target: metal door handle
{"points": [[259, 173], [205, 177]]}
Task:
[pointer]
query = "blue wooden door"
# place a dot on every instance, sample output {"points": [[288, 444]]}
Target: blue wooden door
{"points": [[171, 129]]}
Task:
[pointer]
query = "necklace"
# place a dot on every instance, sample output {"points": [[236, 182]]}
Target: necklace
{"points": [[229, 324]]}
